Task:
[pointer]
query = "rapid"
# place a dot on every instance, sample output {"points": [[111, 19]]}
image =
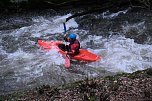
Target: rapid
{"points": [[123, 39]]}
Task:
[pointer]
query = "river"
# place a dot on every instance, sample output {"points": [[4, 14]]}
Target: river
{"points": [[123, 39]]}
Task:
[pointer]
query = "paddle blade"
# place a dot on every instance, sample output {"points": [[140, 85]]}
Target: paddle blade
{"points": [[59, 20], [67, 62]]}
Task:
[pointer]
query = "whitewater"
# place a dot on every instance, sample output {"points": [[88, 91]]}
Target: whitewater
{"points": [[24, 64]]}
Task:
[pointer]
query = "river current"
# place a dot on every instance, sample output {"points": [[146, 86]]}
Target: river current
{"points": [[123, 39]]}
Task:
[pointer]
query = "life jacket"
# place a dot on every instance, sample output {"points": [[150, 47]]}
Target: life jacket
{"points": [[75, 45]]}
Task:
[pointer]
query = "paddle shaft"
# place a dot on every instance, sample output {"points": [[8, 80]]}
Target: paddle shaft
{"points": [[67, 58], [64, 25]]}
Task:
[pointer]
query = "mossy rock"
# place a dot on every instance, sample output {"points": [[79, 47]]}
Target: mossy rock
{"points": [[149, 71]]}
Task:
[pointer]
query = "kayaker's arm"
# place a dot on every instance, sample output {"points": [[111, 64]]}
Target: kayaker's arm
{"points": [[71, 52], [65, 38], [73, 49]]}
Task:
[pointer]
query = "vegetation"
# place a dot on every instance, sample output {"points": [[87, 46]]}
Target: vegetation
{"points": [[121, 87], [6, 5]]}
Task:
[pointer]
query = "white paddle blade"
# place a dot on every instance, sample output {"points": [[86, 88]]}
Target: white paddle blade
{"points": [[61, 19]]}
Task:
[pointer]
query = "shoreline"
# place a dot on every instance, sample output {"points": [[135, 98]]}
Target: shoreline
{"points": [[122, 86]]}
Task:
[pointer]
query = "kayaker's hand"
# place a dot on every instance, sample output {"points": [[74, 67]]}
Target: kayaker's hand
{"points": [[65, 35], [66, 52]]}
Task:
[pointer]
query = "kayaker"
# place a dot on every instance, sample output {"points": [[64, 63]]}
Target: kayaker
{"points": [[73, 47]]}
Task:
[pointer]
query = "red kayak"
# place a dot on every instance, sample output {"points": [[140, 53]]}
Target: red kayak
{"points": [[84, 55]]}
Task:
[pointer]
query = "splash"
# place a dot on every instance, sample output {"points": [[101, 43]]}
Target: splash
{"points": [[20, 54], [18, 1], [138, 27], [122, 54], [56, 57], [25, 64], [46, 26], [109, 15]]}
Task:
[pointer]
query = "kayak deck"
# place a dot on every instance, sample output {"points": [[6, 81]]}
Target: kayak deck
{"points": [[84, 55]]}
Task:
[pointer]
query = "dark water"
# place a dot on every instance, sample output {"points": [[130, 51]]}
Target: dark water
{"points": [[122, 39]]}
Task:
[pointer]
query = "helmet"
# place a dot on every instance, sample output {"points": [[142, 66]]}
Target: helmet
{"points": [[72, 36]]}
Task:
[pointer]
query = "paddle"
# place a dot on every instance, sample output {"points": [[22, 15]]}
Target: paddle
{"points": [[67, 62], [67, 58]]}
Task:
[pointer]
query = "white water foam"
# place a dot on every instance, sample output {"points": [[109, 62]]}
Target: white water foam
{"points": [[54, 26], [28, 66], [95, 39], [109, 15], [56, 57], [21, 31], [46, 26], [18, 1], [122, 54], [20, 54], [2, 51], [25, 65], [138, 27]]}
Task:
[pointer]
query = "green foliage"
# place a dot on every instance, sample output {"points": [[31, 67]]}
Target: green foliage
{"points": [[92, 98], [149, 71], [12, 96]]}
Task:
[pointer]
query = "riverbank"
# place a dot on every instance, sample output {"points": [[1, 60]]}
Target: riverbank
{"points": [[135, 86]]}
